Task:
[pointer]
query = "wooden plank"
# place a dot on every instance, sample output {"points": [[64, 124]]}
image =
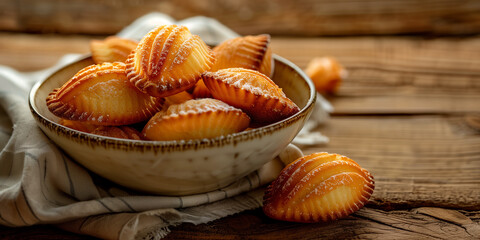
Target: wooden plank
{"points": [[414, 104], [281, 17], [383, 51], [421, 223], [445, 56], [416, 160], [386, 75], [397, 75], [40, 232], [29, 52]]}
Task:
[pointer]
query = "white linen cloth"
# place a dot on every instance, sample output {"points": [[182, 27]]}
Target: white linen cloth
{"points": [[39, 184]]}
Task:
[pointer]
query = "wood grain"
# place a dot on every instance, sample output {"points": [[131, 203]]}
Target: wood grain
{"points": [[397, 75], [30, 52], [420, 223], [280, 17], [416, 160], [39, 232]]}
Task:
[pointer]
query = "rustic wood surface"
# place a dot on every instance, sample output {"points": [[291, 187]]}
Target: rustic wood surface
{"points": [[279, 17], [409, 112]]}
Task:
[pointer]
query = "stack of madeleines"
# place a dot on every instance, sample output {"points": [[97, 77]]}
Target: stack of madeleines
{"points": [[175, 87]]}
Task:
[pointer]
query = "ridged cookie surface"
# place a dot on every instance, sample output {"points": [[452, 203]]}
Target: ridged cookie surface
{"points": [[168, 60], [196, 119], [317, 188], [251, 91], [111, 49], [102, 95]]}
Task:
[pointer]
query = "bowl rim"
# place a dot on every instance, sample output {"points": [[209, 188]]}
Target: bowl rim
{"points": [[173, 145]]}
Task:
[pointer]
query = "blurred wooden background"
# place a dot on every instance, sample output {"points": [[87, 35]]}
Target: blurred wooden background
{"points": [[277, 17]]}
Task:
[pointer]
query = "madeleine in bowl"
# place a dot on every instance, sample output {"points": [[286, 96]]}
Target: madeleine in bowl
{"points": [[177, 167]]}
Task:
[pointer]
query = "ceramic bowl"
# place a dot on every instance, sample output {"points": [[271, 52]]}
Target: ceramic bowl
{"points": [[176, 167]]}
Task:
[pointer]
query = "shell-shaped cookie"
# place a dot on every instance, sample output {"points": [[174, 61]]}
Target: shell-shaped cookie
{"points": [[124, 132], [111, 49], [250, 52], [77, 125], [201, 90], [178, 98], [326, 73], [317, 188], [102, 95], [168, 60], [251, 91], [196, 119]]}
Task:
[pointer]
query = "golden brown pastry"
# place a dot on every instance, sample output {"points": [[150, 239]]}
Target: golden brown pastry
{"points": [[178, 98], [168, 60], [196, 119], [317, 188], [251, 91], [326, 73], [77, 125], [111, 49], [201, 91], [250, 52], [102, 95], [124, 132]]}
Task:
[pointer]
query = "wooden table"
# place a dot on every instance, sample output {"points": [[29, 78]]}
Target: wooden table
{"points": [[409, 112]]}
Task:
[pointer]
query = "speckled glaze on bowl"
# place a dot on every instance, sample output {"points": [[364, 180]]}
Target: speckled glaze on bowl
{"points": [[176, 167]]}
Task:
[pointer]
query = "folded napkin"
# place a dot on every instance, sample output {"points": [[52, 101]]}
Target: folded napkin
{"points": [[39, 184]]}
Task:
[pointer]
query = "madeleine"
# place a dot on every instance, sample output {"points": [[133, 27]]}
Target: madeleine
{"points": [[102, 95], [111, 49], [319, 187], [77, 125], [326, 73], [168, 60], [250, 52], [124, 132], [196, 119], [251, 91]]}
